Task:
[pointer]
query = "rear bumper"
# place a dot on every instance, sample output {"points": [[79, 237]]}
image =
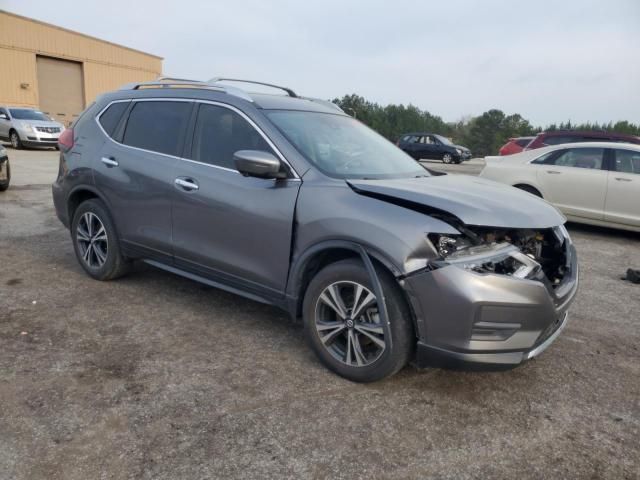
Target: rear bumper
{"points": [[466, 318], [59, 202]]}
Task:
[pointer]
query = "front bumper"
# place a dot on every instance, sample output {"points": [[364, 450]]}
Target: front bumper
{"points": [[487, 319], [37, 138], [35, 141]]}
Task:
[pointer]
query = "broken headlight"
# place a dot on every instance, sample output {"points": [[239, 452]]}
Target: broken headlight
{"points": [[499, 258]]}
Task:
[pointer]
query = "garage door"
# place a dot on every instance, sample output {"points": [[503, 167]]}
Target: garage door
{"points": [[60, 88]]}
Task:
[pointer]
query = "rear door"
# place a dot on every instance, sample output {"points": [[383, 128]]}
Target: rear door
{"points": [[226, 226], [623, 193], [575, 181], [410, 145], [134, 171]]}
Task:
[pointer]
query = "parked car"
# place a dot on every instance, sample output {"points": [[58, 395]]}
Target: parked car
{"points": [[558, 137], [515, 145], [28, 127], [594, 183], [5, 169], [289, 201], [428, 145]]}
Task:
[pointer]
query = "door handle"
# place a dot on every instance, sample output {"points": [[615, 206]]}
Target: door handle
{"points": [[186, 184], [109, 162], [622, 179], [554, 172]]}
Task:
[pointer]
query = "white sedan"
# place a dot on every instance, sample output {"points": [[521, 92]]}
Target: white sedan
{"points": [[595, 183]]}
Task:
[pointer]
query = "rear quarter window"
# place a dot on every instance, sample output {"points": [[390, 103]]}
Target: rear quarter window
{"points": [[111, 117]]}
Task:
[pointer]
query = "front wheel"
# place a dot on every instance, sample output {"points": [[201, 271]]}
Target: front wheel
{"points": [[14, 138], [343, 325], [5, 175], [447, 158]]}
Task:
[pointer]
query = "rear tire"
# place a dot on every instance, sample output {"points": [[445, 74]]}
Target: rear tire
{"points": [[4, 184], [95, 242], [529, 189], [355, 345]]}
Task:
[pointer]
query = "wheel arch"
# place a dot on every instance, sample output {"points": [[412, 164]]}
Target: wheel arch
{"points": [[316, 257], [529, 185], [79, 195]]}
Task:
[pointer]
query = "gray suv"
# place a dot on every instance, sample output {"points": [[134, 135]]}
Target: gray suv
{"points": [[287, 200]]}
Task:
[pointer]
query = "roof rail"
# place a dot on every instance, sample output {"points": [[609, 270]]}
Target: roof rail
{"points": [[168, 82], [215, 80]]}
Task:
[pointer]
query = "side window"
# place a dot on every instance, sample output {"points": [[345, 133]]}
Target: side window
{"points": [[157, 126], [590, 158], [523, 142], [627, 161], [546, 158], [219, 133], [111, 116]]}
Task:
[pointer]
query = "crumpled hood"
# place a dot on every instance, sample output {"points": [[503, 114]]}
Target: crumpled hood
{"points": [[473, 200]]}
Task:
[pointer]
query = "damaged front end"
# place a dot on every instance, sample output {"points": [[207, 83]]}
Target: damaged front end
{"points": [[493, 296], [522, 253]]}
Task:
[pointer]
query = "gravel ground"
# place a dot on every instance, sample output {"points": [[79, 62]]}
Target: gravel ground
{"points": [[154, 376]]}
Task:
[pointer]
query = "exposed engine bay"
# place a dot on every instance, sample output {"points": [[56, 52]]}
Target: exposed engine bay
{"points": [[485, 250]]}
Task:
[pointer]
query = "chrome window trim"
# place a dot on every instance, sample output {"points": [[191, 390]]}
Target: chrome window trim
{"points": [[210, 102]]}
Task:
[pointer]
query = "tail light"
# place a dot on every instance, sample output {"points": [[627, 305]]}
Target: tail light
{"points": [[66, 139]]}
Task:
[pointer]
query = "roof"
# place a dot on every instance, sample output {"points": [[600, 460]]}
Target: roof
{"points": [[50, 25]]}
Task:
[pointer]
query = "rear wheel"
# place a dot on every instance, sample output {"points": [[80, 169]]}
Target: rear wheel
{"points": [[343, 324], [14, 138], [96, 243]]}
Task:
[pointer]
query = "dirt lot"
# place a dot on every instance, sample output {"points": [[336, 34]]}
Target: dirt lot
{"points": [[155, 376]]}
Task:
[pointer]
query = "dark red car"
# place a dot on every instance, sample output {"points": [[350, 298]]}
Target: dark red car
{"points": [[515, 145], [571, 136]]}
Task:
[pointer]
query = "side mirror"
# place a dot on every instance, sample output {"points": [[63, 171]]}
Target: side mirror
{"points": [[3, 116], [256, 163]]}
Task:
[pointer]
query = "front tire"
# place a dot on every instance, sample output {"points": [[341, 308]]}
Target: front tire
{"points": [[96, 243], [4, 183], [447, 158], [14, 138], [342, 323]]}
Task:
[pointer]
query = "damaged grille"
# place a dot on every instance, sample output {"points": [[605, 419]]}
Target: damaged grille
{"points": [[545, 246]]}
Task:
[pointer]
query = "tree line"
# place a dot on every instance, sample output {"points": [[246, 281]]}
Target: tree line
{"points": [[484, 134]]}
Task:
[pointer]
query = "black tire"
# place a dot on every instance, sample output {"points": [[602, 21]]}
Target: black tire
{"points": [[114, 263], [447, 158], [4, 184], [529, 189], [392, 358], [15, 140]]}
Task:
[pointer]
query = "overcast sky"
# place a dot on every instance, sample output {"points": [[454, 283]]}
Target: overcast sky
{"points": [[547, 60]]}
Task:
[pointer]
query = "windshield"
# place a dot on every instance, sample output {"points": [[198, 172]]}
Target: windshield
{"points": [[342, 147], [27, 114], [444, 140]]}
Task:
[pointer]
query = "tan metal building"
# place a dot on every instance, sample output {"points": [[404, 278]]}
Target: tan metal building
{"points": [[61, 71]]}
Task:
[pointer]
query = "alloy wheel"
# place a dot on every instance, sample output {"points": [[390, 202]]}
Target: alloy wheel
{"points": [[348, 324], [92, 240], [15, 140], [446, 158]]}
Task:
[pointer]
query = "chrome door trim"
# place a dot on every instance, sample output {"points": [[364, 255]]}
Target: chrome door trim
{"points": [[194, 100], [186, 184], [110, 162]]}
